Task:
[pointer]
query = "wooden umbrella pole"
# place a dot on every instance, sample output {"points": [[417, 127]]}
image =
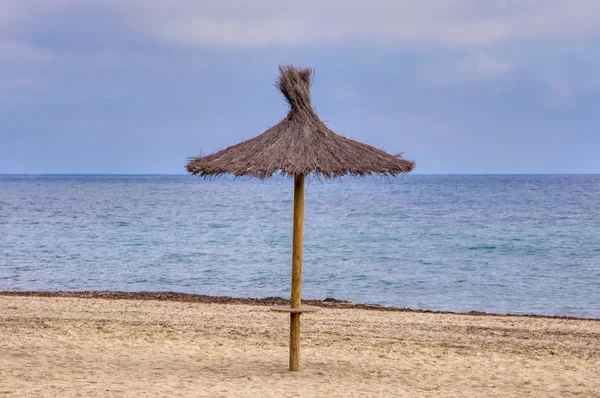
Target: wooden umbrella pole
{"points": [[296, 271]]}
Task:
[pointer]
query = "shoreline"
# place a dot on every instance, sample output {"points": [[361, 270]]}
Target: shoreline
{"points": [[332, 303]]}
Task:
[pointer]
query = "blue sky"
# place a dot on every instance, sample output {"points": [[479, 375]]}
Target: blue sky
{"points": [[460, 86]]}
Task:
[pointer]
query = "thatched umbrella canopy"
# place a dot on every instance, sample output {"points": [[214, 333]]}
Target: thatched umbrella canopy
{"points": [[299, 145]]}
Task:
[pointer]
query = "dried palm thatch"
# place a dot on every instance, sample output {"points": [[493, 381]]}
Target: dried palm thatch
{"points": [[300, 144]]}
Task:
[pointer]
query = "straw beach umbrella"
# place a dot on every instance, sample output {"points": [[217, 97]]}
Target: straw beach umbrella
{"points": [[299, 145]]}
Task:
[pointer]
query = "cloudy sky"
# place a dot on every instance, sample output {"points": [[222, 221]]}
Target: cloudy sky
{"points": [[460, 86]]}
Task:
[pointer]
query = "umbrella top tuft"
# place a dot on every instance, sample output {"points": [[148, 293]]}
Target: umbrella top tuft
{"points": [[300, 144], [295, 84]]}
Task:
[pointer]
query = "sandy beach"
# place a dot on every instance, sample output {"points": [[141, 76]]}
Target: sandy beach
{"points": [[91, 347]]}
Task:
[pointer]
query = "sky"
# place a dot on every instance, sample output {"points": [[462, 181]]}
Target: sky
{"points": [[459, 86]]}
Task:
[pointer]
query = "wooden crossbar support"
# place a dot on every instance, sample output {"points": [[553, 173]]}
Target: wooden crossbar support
{"points": [[300, 310]]}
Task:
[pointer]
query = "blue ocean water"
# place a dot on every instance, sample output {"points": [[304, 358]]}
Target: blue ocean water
{"points": [[504, 244]]}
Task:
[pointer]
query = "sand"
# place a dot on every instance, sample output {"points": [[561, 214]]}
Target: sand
{"points": [[85, 347]]}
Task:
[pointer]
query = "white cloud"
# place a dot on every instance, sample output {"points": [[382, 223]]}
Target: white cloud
{"points": [[12, 49], [21, 83], [243, 23], [561, 94], [473, 68], [343, 93], [448, 23], [483, 66]]}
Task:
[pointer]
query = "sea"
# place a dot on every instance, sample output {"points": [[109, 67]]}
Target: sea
{"points": [[518, 244]]}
